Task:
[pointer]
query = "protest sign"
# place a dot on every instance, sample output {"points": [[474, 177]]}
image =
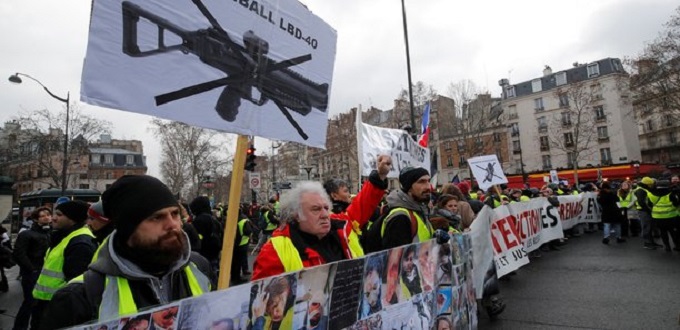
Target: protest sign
{"points": [[397, 143], [487, 171], [242, 67], [413, 286], [509, 253], [536, 221]]}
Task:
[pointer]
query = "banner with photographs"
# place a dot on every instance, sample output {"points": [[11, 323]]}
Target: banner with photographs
{"points": [[418, 286], [405, 152]]}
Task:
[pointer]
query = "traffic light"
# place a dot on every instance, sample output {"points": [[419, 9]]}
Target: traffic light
{"points": [[250, 159]]}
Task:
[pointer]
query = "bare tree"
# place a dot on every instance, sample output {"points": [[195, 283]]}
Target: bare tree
{"points": [[574, 129], [477, 115], [189, 155], [656, 72], [422, 93], [40, 141]]}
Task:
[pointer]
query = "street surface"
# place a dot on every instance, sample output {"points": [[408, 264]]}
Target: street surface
{"points": [[586, 285]]}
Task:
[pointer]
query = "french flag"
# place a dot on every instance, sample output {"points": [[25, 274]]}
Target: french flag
{"points": [[425, 127]]}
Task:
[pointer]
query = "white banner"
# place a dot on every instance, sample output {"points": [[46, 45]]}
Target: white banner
{"points": [[394, 142], [487, 171], [249, 67], [581, 208], [537, 222]]}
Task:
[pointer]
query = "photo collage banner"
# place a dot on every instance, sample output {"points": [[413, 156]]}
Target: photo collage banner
{"points": [[419, 286]]}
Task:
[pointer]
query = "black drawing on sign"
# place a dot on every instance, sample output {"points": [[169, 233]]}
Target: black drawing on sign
{"points": [[489, 172], [246, 66]]}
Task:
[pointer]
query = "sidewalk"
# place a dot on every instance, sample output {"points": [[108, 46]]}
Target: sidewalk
{"points": [[11, 300]]}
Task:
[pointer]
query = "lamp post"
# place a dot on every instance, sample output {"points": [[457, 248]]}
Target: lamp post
{"points": [[308, 169], [17, 80]]}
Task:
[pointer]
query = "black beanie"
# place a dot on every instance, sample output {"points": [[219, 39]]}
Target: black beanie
{"points": [[409, 175], [74, 210], [133, 198]]}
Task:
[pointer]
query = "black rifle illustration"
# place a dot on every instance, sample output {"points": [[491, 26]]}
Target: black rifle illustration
{"points": [[246, 66], [489, 172]]}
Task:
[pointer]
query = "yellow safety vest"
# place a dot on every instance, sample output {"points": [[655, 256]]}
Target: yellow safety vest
{"points": [[245, 239], [662, 206], [52, 277], [290, 256], [424, 229], [625, 201], [524, 198], [637, 202], [474, 196], [270, 226]]}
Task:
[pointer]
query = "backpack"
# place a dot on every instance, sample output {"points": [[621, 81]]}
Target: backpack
{"points": [[371, 238]]}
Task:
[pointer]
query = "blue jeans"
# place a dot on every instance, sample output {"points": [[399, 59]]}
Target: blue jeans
{"points": [[612, 227]]}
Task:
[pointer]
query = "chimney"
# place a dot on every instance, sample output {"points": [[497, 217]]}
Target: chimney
{"points": [[547, 71]]}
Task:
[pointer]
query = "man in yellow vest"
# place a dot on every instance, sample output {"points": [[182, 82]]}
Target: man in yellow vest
{"points": [[308, 236], [239, 263], [408, 220], [664, 203], [146, 261], [72, 246], [645, 212]]}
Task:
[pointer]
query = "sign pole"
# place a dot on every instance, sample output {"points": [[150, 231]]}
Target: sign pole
{"points": [[232, 212]]}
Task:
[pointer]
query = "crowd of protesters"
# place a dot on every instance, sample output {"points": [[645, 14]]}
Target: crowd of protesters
{"points": [[69, 253]]}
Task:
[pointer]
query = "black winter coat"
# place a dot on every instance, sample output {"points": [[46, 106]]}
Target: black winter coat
{"points": [[30, 248], [610, 211]]}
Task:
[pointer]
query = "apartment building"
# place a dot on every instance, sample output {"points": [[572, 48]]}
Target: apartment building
{"points": [[578, 116]]}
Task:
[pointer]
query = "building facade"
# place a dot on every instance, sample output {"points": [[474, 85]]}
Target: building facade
{"points": [[579, 116]]}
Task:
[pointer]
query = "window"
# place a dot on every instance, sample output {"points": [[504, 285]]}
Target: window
{"points": [[566, 119], [536, 85], [546, 161], [516, 147], [449, 161], [510, 91], [108, 159], [602, 133], [512, 112], [669, 120], [129, 159], [538, 104], [571, 159], [593, 70], [561, 78], [650, 125], [478, 141], [499, 155], [462, 162], [568, 139], [461, 146], [596, 92], [542, 124], [447, 145], [496, 137], [599, 112], [82, 176], [514, 129], [109, 176], [672, 138], [564, 100], [545, 143], [95, 158], [605, 156]]}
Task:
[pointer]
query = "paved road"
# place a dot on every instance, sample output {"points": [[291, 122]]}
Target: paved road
{"points": [[586, 285]]}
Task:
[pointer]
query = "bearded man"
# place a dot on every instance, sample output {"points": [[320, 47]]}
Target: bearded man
{"points": [[146, 261]]}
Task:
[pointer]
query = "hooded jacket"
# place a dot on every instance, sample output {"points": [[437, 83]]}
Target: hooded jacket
{"points": [[79, 302], [208, 228], [398, 228]]}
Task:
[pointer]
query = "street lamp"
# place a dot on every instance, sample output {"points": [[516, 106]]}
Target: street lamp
{"points": [[308, 169], [17, 80]]}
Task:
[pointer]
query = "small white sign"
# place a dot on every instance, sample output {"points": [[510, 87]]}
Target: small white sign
{"points": [[255, 182], [553, 176], [487, 171]]}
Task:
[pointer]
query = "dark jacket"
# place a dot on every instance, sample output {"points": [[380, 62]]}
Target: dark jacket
{"points": [[398, 228], [208, 228], [30, 248], [78, 303], [194, 240], [641, 196], [78, 253], [610, 211]]}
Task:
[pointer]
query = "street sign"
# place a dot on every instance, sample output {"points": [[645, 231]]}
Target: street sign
{"points": [[254, 178]]}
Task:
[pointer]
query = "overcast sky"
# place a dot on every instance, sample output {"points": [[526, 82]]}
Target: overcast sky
{"points": [[482, 40]]}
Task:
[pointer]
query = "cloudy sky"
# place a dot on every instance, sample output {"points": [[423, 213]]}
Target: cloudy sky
{"points": [[482, 40]]}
